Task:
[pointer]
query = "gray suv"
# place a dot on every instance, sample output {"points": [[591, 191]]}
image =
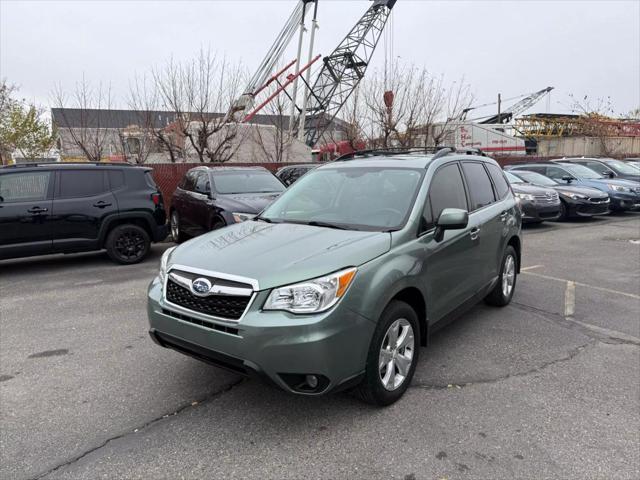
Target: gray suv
{"points": [[340, 281]]}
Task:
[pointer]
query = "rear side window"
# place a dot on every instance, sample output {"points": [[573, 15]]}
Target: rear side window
{"points": [[502, 187], [203, 184], [116, 179], [189, 181], [24, 187], [148, 176], [446, 191], [480, 189], [81, 183]]}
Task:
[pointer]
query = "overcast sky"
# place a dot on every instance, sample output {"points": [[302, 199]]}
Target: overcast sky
{"points": [[513, 47]]}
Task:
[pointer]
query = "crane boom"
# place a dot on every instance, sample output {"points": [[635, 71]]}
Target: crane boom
{"points": [[519, 107], [271, 59], [343, 70]]}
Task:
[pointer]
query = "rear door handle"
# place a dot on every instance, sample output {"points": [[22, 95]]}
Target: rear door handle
{"points": [[36, 210], [474, 233], [503, 216], [102, 204]]}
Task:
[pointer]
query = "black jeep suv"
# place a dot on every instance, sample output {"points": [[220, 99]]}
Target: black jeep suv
{"points": [[69, 208]]}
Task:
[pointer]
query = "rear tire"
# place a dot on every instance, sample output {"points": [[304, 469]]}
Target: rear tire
{"points": [[502, 293], [393, 356], [128, 244], [176, 233]]}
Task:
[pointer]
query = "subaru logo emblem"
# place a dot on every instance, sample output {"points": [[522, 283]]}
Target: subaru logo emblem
{"points": [[201, 287]]}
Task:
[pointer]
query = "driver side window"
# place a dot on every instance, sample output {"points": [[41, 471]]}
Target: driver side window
{"points": [[556, 173], [446, 191]]}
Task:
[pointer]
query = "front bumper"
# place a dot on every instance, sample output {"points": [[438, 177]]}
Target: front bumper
{"points": [[624, 201], [531, 212], [277, 346], [586, 208]]}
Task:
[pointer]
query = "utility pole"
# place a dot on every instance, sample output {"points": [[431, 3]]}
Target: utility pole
{"points": [[499, 105]]}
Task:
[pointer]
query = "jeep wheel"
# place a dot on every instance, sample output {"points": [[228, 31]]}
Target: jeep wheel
{"points": [[502, 293], [393, 355], [127, 244], [176, 234]]}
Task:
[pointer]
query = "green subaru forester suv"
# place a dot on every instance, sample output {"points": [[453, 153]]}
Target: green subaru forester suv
{"points": [[341, 280]]}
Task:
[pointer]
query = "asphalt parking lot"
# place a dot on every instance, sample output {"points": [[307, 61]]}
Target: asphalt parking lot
{"points": [[548, 387]]}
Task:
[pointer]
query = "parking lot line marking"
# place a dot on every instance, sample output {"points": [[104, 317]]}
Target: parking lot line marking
{"points": [[570, 299], [614, 334], [526, 269], [579, 284]]}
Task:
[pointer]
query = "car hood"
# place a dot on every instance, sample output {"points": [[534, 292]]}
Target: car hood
{"points": [[530, 189], [613, 181], [246, 202], [279, 254], [578, 190]]}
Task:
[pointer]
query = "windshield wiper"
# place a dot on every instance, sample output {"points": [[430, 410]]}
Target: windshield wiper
{"points": [[314, 223]]}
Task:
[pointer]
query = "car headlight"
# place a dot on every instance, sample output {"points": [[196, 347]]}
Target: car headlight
{"points": [[312, 296], [243, 217], [525, 196], [164, 262], [576, 196], [618, 188]]}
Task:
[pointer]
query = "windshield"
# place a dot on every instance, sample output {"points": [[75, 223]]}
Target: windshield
{"points": [[622, 167], [250, 181], [353, 198], [537, 179], [512, 178], [581, 172]]}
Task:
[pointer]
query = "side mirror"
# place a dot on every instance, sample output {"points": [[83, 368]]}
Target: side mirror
{"points": [[607, 174], [567, 179], [450, 219]]}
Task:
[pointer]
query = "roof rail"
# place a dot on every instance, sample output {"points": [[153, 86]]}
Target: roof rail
{"points": [[46, 164]]}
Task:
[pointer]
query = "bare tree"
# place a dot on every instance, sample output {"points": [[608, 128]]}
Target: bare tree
{"points": [[199, 92], [596, 121], [273, 137], [88, 136], [408, 107], [160, 131]]}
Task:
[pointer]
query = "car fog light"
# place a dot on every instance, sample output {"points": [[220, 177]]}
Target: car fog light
{"points": [[312, 381]]}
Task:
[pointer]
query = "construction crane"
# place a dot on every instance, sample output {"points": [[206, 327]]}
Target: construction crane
{"points": [[342, 72], [518, 107], [263, 77]]}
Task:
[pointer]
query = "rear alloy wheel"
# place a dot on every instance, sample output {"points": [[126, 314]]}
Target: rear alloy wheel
{"points": [[128, 244], [393, 355], [174, 222], [502, 293]]}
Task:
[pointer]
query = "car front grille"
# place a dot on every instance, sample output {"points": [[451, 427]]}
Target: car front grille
{"points": [[551, 199], [221, 306], [599, 200]]}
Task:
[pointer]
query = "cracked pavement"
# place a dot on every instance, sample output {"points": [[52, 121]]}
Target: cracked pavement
{"points": [[548, 387]]}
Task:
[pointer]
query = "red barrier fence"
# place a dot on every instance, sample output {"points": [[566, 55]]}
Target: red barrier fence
{"points": [[168, 175]]}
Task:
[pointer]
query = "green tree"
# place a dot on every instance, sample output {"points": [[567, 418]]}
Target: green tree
{"points": [[22, 127]]}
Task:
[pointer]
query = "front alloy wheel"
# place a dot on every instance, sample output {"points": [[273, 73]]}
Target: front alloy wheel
{"points": [[393, 355], [396, 354]]}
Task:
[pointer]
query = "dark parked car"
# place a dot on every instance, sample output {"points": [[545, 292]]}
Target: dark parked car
{"points": [[623, 194], [291, 173], [209, 198], [537, 203], [576, 201], [69, 208], [608, 167]]}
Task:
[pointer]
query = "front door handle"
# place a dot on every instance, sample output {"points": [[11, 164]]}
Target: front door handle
{"points": [[503, 216], [474, 233], [101, 204], [37, 210]]}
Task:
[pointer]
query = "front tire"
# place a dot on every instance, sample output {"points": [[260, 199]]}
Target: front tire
{"points": [[393, 355], [128, 244], [502, 293]]}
